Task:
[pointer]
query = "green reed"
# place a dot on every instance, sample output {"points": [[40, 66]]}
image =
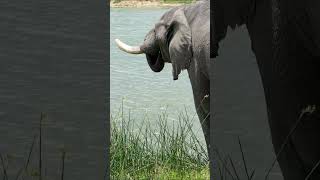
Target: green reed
{"points": [[160, 149]]}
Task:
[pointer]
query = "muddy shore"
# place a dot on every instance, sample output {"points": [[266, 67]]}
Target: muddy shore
{"points": [[142, 4]]}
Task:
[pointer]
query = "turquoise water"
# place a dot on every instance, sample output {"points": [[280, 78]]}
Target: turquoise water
{"points": [[144, 91]]}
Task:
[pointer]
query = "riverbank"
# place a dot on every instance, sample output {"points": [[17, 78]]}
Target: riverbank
{"points": [[145, 4]]}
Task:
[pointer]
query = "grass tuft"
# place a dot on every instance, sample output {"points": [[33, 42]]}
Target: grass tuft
{"points": [[162, 150]]}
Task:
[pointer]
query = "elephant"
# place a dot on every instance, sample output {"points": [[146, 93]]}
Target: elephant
{"points": [[285, 38], [182, 38]]}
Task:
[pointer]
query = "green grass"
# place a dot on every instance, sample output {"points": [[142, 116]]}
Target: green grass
{"points": [[161, 150]]}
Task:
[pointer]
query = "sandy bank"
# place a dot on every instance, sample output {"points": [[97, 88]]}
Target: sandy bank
{"points": [[141, 4]]}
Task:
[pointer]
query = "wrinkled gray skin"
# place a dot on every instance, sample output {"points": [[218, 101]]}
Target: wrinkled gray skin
{"points": [[285, 38], [182, 38]]}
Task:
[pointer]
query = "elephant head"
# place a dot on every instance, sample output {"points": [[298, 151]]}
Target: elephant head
{"points": [[169, 41]]}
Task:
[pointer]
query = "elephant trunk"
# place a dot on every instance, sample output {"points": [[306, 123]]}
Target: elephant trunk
{"points": [[155, 62]]}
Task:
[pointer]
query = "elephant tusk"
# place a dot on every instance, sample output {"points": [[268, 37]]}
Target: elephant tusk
{"points": [[128, 49]]}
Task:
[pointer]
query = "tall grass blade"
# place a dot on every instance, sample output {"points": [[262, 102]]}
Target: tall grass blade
{"points": [[234, 169], [5, 176], [285, 142], [243, 159], [25, 168], [312, 170]]}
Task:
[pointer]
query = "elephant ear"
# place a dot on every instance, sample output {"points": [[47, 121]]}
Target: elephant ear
{"points": [[180, 44]]}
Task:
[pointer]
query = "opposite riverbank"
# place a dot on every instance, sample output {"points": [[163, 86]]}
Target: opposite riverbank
{"points": [[146, 3]]}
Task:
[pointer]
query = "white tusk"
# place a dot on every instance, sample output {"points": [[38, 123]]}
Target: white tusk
{"points": [[129, 49]]}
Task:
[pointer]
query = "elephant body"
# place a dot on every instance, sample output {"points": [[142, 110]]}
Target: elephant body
{"points": [[188, 47], [285, 39], [182, 37]]}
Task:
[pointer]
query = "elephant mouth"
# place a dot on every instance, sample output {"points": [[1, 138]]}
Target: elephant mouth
{"points": [[155, 61]]}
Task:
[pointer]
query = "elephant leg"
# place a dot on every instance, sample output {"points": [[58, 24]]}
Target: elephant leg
{"points": [[203, 108], [201, 90]]}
